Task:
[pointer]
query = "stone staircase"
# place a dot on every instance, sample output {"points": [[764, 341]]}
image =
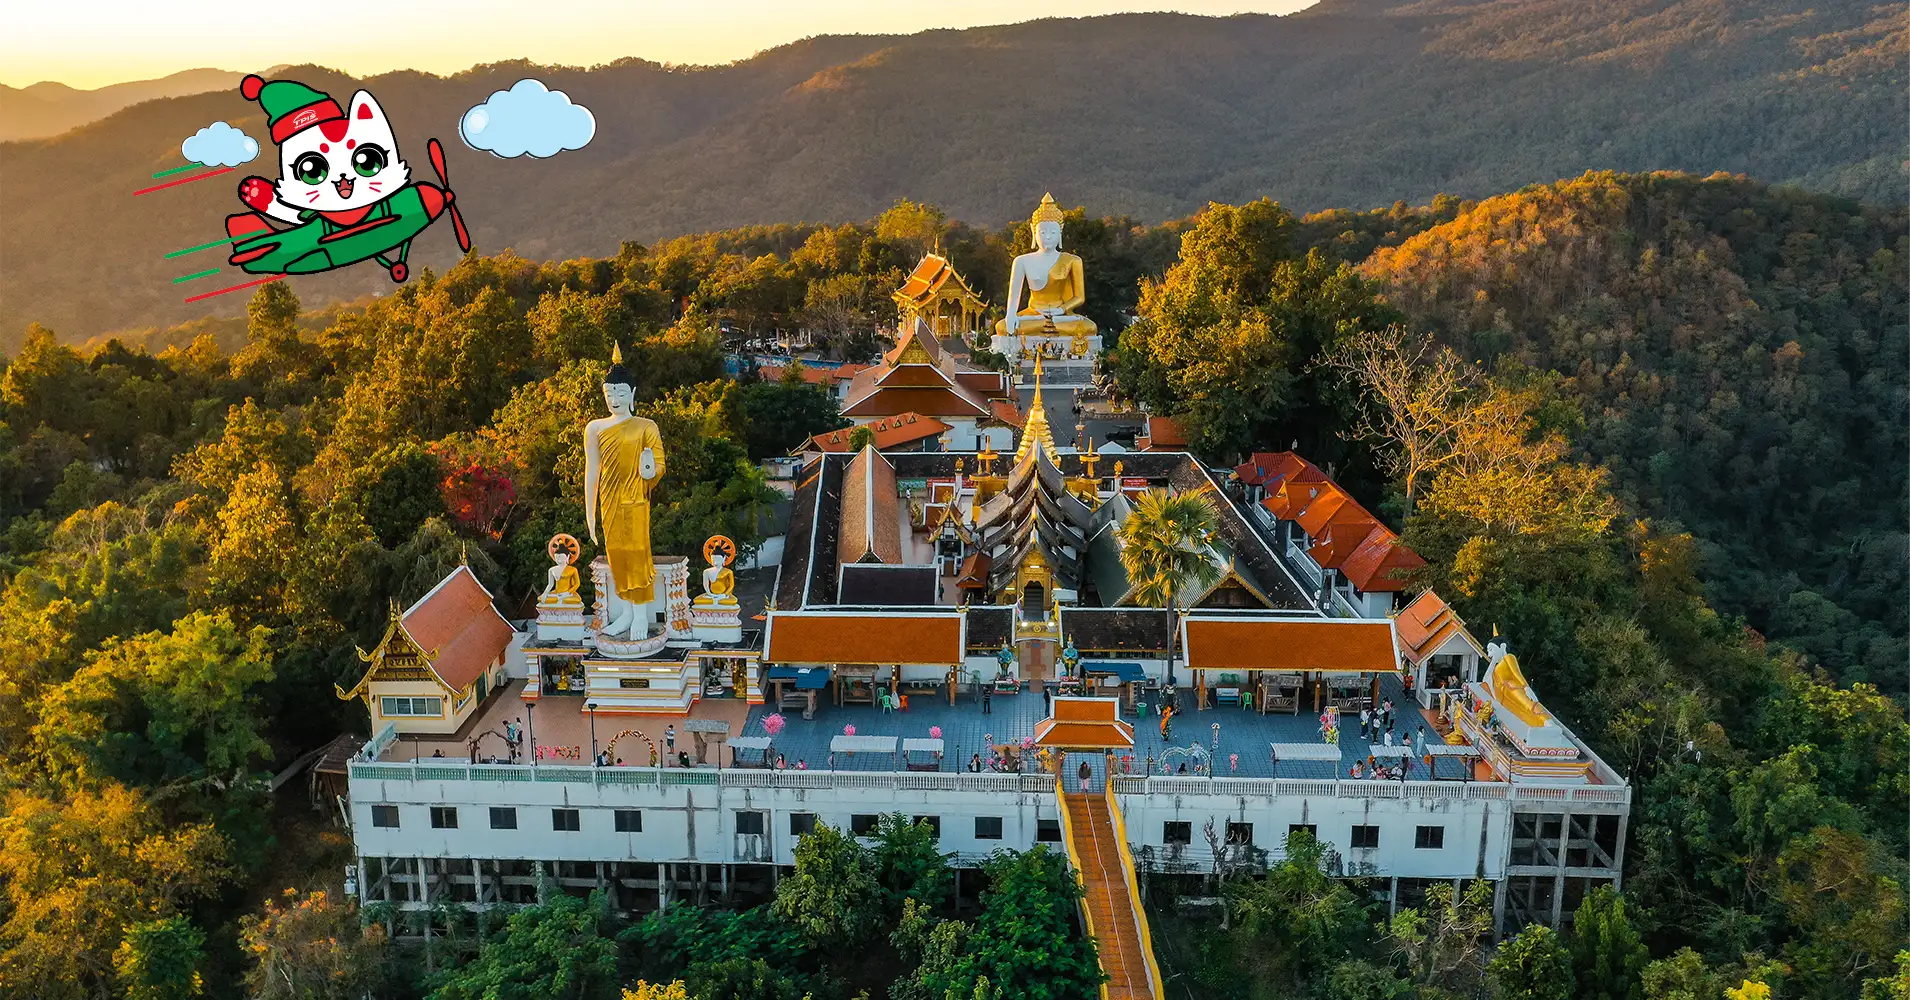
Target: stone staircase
{"points": [[1116, 927]]}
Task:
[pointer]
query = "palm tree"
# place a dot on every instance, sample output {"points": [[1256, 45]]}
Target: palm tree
{"points": [[1165, 549]]}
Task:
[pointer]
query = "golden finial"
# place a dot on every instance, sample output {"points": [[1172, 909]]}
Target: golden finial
{"points": [[1089, 458], [1037, 371], [1118, 467], [464, 553], [960, 465], [616, 354], [1047, 212], [985, 459]]}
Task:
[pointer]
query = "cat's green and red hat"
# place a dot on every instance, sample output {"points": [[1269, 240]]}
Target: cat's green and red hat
{"points": [[290, 107]]}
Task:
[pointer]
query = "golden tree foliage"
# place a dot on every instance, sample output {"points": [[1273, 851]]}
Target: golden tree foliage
{"points": [[77, 872], [656, 991]]}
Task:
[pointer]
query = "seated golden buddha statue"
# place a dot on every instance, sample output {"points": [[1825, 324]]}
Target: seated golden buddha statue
{"points": [[1052, 279], [560, 587], [719, 581]]}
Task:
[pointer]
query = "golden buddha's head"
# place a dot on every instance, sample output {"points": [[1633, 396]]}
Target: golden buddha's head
{"points": [[1045, 224], [620, 389]]}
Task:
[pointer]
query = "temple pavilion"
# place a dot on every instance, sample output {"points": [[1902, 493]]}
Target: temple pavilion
{"points": [[937, 294]]}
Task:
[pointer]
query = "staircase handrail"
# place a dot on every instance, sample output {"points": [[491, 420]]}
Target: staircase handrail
{"points": [[1128, 874]]}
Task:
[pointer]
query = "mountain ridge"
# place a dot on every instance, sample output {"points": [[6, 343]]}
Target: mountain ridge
{"points": [[1345, 104]]}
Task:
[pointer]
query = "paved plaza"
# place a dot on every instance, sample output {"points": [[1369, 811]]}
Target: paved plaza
{"points": [[1244, 736]]}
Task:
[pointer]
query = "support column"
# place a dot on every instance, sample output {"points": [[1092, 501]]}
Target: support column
{"points": [[1618, 854], [1558, 880], [1498, 908]]}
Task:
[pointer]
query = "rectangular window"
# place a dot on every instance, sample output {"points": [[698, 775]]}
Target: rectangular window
{"points": [[444, 817], [385, 816], [1239, 833], [1430, 838], [1177, 832], [750, 822], [988, 828], [1365, 837], [413, 707], [1310, 829], [802, 824], [503, 818], [1048, 831], [934, 823], [629, 821], [862, 824], [565, 820]]}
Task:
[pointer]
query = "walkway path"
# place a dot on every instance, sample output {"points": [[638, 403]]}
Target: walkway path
{"points": [[1104, 876]]}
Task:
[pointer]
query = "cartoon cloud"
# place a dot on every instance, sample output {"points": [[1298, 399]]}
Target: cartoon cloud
{"points": [[219, 145], [528, 118]]}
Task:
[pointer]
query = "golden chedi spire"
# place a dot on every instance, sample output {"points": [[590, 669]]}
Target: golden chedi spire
{"points": [[1035, 430]]}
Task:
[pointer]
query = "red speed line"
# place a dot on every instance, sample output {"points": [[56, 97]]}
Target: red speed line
{"points": [[183, 180], [234, 288]]}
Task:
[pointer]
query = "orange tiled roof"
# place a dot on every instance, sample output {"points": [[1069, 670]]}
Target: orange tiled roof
{"points": [[1271, 468], [1380, 564], [1163, 434], [890, 432], [1289, 644], [458, 621], [871, 512], [1425, 624], [827, 637], [1007, 412], [1084, 722], [933, 272]]}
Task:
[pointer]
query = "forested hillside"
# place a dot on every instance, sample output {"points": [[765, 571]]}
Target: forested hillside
{"points": [[195, 530], [1348, 103]]}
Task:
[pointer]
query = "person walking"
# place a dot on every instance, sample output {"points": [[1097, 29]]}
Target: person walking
{"points": [[1167, 716], [669, 738], [1086, 774], [1047, 699], [1388, 713], [1366, 721], [988, 705]]}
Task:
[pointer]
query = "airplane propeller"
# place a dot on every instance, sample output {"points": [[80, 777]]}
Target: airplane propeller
{"points": [[450, 200]]}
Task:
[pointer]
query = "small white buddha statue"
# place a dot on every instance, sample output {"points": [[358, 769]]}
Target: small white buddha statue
{"points": [[560, 586], [719, 581]]}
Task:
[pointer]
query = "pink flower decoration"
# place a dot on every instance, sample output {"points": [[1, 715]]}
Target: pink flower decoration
{"points": [[848, 730], [935, 732], [773, 723]]}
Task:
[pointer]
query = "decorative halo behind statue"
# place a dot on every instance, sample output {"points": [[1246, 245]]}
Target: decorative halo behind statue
{"points": [[719, 544], [567, 544]]}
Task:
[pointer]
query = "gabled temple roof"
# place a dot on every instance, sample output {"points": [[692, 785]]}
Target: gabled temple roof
{"points": [[454, 631], [933, 276], [920, 375], [1427, 624], [1346, 537], [871, 512]]}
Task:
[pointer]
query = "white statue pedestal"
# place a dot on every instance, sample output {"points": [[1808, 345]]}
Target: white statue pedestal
{"points": [[625, 648], [567, 623], [717, 623]]}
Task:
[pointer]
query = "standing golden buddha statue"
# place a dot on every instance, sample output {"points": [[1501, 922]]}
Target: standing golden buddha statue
{"points": [[1052, 279], [623, 459]]}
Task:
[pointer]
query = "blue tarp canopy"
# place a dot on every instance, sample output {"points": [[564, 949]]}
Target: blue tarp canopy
{"points": [[1128, 673], [806, 678]]}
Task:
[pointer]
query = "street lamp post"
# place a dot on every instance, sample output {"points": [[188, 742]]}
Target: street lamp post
{"points": [[530, 729], [592, 707]]}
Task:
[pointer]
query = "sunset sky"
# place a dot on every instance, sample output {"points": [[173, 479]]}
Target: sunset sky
{"points": [[90, 45]]}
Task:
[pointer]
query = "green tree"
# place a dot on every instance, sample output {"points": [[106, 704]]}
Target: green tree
{"points": [[860, 438], [741, 979], [1439, 943], [777, 416], [159, 959], [1534, 965], [1608, 953], [556, 950], [910, 863], [1357, 979], [309, 946], [1296, 920], [163, 708], [1166, 549], [1025, 933], [403, 492], [833, 897]]}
